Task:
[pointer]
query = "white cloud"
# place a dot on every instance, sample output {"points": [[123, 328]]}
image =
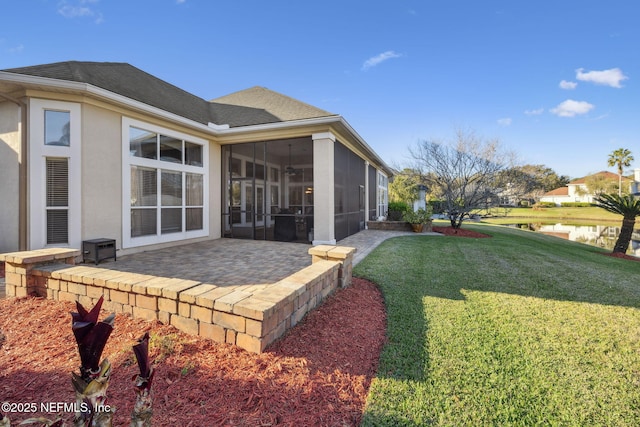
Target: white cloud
{"points": [[16, 49], [611, 77], [79, 9], [505, 121], [568, 85], [535, 112], [571, 108], [375, 60]]}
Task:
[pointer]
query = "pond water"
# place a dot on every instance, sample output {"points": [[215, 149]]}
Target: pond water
{"points": [[603, 236]]}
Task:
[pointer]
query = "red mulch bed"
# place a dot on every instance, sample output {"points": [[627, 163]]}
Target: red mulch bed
{"points": [[623, 256], [317, 375], [459, 232]]}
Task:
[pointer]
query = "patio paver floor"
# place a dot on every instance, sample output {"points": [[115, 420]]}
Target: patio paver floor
{"points": [[221, 262], [235, 262]]}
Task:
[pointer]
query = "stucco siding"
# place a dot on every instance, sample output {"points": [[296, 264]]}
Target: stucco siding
{"points": [[10, 138], [101, 174], [215, 191]]}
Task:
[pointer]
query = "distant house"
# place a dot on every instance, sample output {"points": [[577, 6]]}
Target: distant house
{"points": [[577, 190], [105, 150]]}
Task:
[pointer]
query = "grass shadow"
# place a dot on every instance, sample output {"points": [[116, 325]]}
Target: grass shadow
{"points": [[451, 304]]}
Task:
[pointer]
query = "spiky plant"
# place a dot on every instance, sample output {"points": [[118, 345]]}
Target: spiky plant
{"points": [[143, 408], [627, 206], [92, 383]]}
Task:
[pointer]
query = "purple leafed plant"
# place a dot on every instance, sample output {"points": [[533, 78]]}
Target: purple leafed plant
{"points": [[91, 337], [92, 383]]}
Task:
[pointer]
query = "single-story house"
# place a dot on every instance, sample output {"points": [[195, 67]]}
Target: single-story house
{"points": [[105, 150], [578, 191]]}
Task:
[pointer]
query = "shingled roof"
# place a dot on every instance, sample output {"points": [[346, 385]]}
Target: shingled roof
{"points": [[277, 105], [253, 106]]}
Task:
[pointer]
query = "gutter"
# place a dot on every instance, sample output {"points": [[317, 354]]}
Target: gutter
{"points": [[211, 128], [98, 92], [327, 120]]}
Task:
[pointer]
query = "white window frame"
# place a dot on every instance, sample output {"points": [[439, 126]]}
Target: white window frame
{"points": [[129, 160], [38, 154], [382, 194]]}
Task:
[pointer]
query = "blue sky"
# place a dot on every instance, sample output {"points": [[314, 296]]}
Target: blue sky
{"points": [[556, 81]]}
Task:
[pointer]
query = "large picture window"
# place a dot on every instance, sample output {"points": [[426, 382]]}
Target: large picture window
{"points": [[166, 182]]}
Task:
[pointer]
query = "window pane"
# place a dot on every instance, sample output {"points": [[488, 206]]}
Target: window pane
{"points": [[259, 171], [171, 188], [171, 220], [143, 143], [194, 190], [57, 127], [275, 195], [170, 149], [194, 219], [143, 222], [57, 226], [193, 154], [57, 182], [144, 187], [236, 168]]}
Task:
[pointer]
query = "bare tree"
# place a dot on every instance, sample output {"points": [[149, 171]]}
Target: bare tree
{"points": [[465, 169]]}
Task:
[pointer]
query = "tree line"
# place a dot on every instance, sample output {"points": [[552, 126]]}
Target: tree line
{"points": [[469, 173]]}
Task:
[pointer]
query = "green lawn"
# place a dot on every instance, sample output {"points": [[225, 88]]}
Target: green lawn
{"points": [[567, 215], [520, 329]]}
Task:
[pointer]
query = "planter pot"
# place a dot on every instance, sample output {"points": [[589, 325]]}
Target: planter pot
{"points": [[417, 228]]}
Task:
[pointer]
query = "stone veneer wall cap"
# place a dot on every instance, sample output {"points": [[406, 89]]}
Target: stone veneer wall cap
{"points": [[39, 255], [190, 294], [209, 298], [320, 250], [341, 252], [172, 291]]}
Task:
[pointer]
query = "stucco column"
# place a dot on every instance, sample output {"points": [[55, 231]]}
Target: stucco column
{"points": [[366, 195], [323, 189]]}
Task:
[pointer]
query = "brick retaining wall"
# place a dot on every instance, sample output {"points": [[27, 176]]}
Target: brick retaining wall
{"points": [[394, 226], [249, 316]]}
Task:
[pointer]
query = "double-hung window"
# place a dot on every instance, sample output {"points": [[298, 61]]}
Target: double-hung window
{"points": [[165, 182]]}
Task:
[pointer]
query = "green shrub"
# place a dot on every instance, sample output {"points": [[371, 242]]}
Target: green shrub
{"points": [[546, 204], [421, 216], [395, 210], [575, 204]]}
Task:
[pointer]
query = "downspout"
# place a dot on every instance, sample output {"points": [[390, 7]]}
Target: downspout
{"points": [[22, 172]]}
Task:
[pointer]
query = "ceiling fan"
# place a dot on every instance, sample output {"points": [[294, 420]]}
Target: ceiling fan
{"points": [[290, 170]]}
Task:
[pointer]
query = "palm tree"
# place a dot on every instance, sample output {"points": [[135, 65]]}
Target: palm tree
{"points": [[629, 208], [621, 158]]}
